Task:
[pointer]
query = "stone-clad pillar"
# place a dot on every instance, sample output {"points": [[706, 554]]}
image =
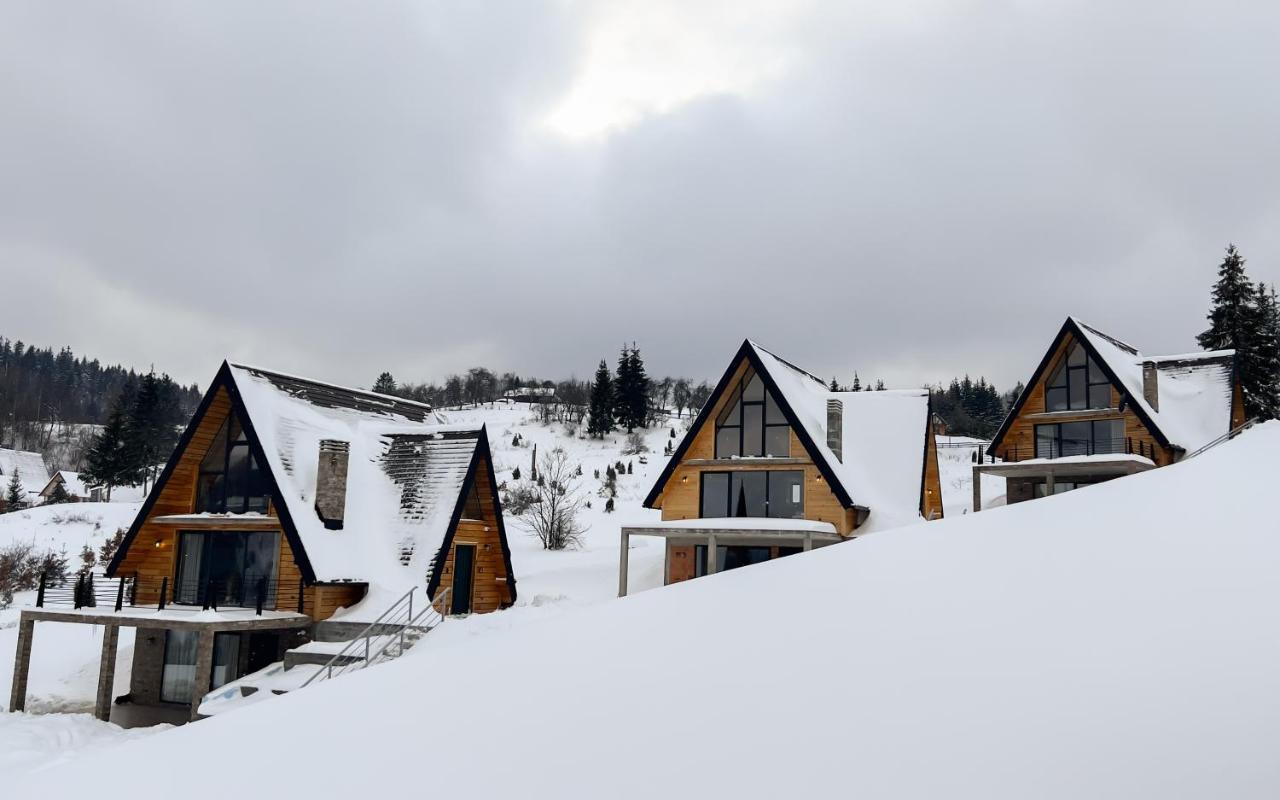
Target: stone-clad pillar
{"points": [[22, 664], [106, 672], [204, 670]]}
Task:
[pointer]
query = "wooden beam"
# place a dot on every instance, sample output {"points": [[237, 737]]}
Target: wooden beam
{"points": [[623, 558]]}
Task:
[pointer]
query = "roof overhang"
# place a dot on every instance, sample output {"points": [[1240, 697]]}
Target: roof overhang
{"points": [[1093, 466]]}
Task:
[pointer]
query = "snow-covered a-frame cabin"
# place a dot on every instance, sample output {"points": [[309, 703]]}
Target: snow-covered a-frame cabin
{"points": [[1096, 408], [286, 503], [31, 472], [776, 463]]}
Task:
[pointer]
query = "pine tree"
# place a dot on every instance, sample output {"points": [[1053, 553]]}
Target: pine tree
{"points": [[639, 398], [152, 426], [13, 495], [385, 384], [1268, 358], [600, 420], [1235, 323], [835, 385], [106, 465], [857, 384]]}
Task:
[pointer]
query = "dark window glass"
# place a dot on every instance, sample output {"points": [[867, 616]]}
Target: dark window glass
{"points": [[773, 412], [728, 558], [752, 424], [227, 568], [786, 495], [1100, 395], [777, 441], [231, 480], [715, 494], [752, 430], [1076, 388], [747, 494], [1076, 356], [473, 509], [1075, 438], [1046, 441], [1056, 399], [727, 442]]}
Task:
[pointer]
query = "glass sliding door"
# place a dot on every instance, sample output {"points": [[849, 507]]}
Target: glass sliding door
{"points": [[178, 679], [227, 568], [753, 493]]}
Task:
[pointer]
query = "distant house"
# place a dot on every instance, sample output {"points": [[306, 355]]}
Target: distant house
{"points": [[285, 501], [776, 464], [70, 483], [1096, 408], [32, 473], [940, 427], [531, 394]]}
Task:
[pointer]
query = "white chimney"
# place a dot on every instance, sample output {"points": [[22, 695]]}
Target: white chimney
{"points": [[1151, 384], [835, 427], [331, 482]]}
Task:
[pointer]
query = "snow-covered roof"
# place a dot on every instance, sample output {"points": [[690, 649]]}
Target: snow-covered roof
{"points": [[70, 481], [405, 472], [1194, 388], [30, 467], [882, 465]]}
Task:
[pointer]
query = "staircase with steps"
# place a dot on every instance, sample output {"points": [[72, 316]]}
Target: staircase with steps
{"points": [[337, 647]]}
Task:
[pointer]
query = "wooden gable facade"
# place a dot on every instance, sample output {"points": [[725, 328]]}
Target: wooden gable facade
{"points": [[678, 490], [1016, 438], [149, 550]]}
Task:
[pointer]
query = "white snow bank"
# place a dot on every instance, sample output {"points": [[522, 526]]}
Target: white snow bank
{"points": [[1115, 641]]}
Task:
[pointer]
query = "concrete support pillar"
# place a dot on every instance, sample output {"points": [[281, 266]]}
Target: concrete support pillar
{"points": [[106, 672], [808, 542], [713, 555], [22, 664], [1049, 485], [977, 488], [623, 555], [204, 671]]}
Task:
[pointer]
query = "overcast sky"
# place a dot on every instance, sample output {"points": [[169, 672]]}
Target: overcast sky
{"points": [[905, 189]]}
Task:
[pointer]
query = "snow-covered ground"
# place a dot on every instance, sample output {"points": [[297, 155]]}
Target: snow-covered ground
{"points": [[1115, 641], [955, 469], [64, 671]]}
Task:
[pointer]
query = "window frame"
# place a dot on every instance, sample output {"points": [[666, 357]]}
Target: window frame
{"points": [[1088, 375], [766, 404], [728, 492], [233, 444], [1090, 449]]}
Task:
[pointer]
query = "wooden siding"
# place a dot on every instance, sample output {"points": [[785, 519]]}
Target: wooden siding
{"points": [[931, 498], [1019, 442], [490, 590], [152, 554], [1237, 404]]}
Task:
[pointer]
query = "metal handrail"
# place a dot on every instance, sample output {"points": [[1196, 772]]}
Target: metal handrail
{"points": [[1226, 437], [399, 614]]}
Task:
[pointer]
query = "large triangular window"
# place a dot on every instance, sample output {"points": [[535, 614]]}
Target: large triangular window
{"points": [[751, 424], [231, 480], [1077, 384]]}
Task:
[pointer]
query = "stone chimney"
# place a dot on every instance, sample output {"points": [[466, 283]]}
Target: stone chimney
{"points": [[835, 427], [331, 482], [1151, 385]]}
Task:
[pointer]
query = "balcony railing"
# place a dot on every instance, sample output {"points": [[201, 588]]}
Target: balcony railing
{"points": [[95, 590], [1081, 447]]}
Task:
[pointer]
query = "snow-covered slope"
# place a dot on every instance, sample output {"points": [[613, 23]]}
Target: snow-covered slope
{"points": [[1117, 641]]}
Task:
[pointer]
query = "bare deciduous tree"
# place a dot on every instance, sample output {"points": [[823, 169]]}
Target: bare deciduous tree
{"points": [[553, 517]]}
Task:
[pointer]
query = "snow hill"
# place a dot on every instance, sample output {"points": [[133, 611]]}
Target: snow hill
{"points": [[1117, 641]]}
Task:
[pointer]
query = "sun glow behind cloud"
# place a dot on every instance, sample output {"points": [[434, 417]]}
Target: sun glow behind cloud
{"points": [[650, 58]]}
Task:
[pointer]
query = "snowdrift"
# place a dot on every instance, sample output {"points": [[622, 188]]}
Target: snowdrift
{"points": [[1117, 641]]}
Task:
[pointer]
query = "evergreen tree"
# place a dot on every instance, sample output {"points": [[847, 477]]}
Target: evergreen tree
{"points": [[856, 386], [638, 405], [385, 384], [835, 385], [1268, 357], [600, 420], [1235, 323], [152, 429], [13, 496], [106, 465]]}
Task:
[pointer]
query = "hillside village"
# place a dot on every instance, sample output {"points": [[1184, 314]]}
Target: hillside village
{"points": [[639, 399]]}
